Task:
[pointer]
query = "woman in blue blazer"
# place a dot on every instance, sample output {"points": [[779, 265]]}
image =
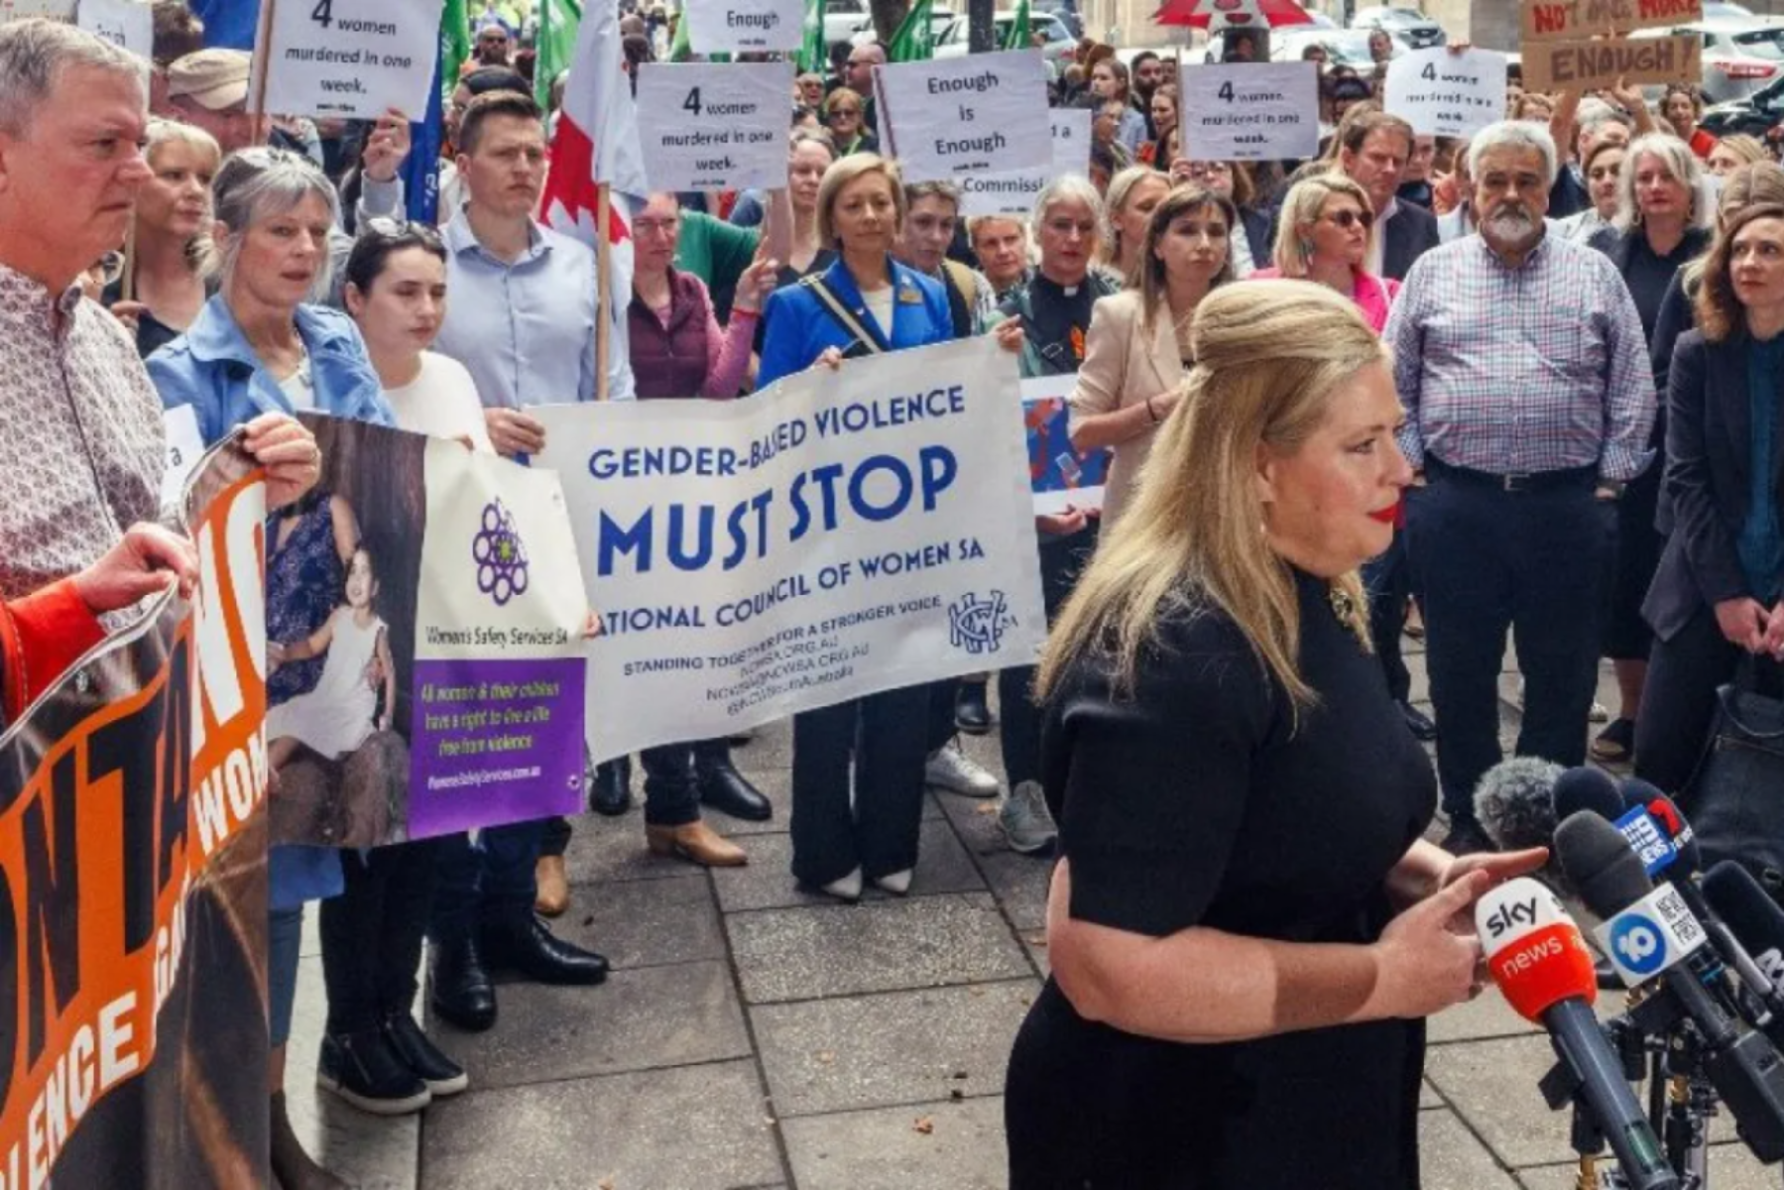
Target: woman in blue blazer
{"points": [[257, 347], [864, 304], [1716, 593]]}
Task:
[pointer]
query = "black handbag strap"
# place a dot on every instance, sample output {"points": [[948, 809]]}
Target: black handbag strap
{"points": [[828, 298]]}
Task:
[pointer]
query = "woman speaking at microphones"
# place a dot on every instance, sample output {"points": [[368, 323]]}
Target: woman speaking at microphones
{"points": [[1245, 926]]}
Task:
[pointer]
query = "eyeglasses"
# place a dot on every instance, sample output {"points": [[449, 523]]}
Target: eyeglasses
{"points": [[384, 228], [1349, 218], [1208, 169], [843, 111]]}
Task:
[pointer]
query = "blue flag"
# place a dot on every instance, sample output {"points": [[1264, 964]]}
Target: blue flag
{"points": [[229, 24], [421, 173]]}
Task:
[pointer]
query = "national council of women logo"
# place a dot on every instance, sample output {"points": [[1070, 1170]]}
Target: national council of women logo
{"points": [[977, 625], [501, 558]]}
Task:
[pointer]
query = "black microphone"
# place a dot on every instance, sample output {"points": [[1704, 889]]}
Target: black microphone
{"points": [[1649, 934], [1757, 924], [1587, 788], [1515, 804], [1762, 1008]]}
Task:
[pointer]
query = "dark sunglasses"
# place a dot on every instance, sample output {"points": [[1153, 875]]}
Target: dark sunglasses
{"points": [[1348, 219]]}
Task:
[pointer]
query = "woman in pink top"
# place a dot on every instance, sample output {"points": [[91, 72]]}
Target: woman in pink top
{"points": [[1323, 235]]}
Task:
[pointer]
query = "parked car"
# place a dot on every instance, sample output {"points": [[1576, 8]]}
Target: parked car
{"points": [[1755, 114], [1060, 41], [842, 18], [1740, 55], [1344, 47], [1419, 31]]}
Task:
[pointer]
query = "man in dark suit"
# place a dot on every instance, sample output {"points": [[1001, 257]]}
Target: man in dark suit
{"points": [[1374, 155]]}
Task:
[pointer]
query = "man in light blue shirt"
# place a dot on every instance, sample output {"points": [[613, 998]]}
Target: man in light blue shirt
{"points": [[521, 298], [521, 310]]}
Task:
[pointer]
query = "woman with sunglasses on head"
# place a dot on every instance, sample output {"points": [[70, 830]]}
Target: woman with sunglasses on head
{"points": [[844, 119], [1232, 181], [172, 219], [1324, 236], [263, 345]]}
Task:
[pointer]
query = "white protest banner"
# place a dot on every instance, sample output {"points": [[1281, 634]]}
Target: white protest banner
{"points": [[127, 24], [977, 114], [714, 126], [735, 26], [1446, 93], [1061, 476], [18, 10], [185, 447], [1251, 111], [1014, 193], [837, 534], [351, 58]]}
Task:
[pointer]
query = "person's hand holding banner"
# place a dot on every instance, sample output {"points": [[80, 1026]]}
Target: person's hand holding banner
{"points": [[149, 560], [288, 452], [513, 432]]}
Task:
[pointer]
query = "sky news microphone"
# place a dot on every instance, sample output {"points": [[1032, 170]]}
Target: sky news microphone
{"points": [[1650, 935], [1754, 918], [1543, 967], [1653, 823]]}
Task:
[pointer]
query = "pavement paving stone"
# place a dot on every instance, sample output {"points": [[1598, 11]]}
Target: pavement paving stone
{"points": [[1731, 1167], [604, 850], [694, 1128], [767, 882], [1451, 1158], [1488, 1015], [945, 1146], [813, 951], [641, 1019], [852, 1052], [645, 923]]}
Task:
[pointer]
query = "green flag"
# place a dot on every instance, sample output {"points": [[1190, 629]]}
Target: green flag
{"points": [[455, 44], [812, 55], [558, 21], [1017, 38], [913, 40], [679, 49]]}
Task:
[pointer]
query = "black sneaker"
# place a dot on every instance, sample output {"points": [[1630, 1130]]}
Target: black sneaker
{"points": [[363, 1069], [1467, 838], [971, 714], [417, 1051]]}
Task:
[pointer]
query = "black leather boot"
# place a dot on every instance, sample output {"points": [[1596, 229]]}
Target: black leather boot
{"points": [[728, 791], [611, 791], [521, 942], [459, 988]]}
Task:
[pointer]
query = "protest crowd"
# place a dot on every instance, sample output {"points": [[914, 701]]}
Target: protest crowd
{"points": [[1521, 380]]}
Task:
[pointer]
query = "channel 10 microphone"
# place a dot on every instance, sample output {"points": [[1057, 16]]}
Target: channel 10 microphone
{"points": [[1543, 967], [1519, 801], [1662, 838], [1649, 934]]}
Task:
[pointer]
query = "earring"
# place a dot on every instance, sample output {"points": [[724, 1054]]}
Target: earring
{"points": [[1307, 250]]}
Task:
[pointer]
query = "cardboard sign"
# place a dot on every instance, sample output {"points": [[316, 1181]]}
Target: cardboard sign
{"points": [[351, 58], [949, 118], [1250, 112], [1576, 20], [713, 126], [1447, 94], [1014, 193], [733, 26], [127, 24], [1601, 62]]}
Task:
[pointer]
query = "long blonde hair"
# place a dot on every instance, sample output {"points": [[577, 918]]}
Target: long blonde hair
{"points": [[1268, 356]]}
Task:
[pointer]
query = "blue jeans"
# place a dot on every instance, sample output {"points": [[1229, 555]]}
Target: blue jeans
{"points": [[285, 937], [490, 878]]}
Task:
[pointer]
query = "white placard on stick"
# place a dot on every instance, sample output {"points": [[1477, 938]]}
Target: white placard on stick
{"points": [[18, 10], [1253, 111], [735, 26], [714, 126], [127, 24], [1445, 93], [949, 118], [351, 58], [1014, 193]]}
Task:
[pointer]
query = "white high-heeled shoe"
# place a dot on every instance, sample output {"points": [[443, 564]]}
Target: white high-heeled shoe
{"points": [[897, 883], [849, 888]]}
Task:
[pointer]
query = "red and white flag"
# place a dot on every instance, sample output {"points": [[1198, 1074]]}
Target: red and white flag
{"points": [[596, 143]]}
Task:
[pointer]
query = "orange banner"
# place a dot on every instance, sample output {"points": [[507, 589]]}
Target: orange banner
{"points": [[133, 1035]]}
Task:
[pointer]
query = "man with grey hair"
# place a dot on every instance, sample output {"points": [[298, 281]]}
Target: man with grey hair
{"points": [[1524, 372], [83, 443]]}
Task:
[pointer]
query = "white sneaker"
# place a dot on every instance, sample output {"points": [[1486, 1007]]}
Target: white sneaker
{"points": [[948, 768]]}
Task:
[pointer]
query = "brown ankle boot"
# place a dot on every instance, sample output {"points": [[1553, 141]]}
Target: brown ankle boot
{"points": [[292, 1167], [553, 894], [696, 842]]}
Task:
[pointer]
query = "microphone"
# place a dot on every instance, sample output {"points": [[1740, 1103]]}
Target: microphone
{"points": [[1519, 801], [1587, 788], [1649, 934], [1543, 968], [1653, 813], [1752, 915]]}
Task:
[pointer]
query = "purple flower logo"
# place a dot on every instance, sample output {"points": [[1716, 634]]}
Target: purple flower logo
{"points": [[501, 558]]}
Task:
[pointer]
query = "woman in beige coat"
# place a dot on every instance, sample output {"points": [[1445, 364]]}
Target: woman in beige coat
{"points": [[1137, 352]]}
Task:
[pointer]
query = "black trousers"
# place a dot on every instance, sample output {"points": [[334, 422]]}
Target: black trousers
{"points": [[939, 726], [1019, 716], [1388, 580], [1679, 699], [876, 828], [372, 932], [672, 779], [1489, 560]]}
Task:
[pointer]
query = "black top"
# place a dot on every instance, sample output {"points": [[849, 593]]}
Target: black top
{"points": [[1647, 274], [1200, 800], [151, 332]]}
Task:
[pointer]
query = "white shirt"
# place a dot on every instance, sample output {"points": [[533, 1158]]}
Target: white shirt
{"points": [[442, 401], [880, 305]]}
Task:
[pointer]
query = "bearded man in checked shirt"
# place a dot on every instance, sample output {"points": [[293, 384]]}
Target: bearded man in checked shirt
{"points": [[1522, 367]]}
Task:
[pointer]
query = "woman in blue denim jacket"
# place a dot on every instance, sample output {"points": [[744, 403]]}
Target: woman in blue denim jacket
{"points": [[258, 346]]}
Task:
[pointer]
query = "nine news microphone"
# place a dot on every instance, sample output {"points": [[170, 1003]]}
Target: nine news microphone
{"points": [[1543, 967], [1752, 917], [1662, 838], [1649, 934]]}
